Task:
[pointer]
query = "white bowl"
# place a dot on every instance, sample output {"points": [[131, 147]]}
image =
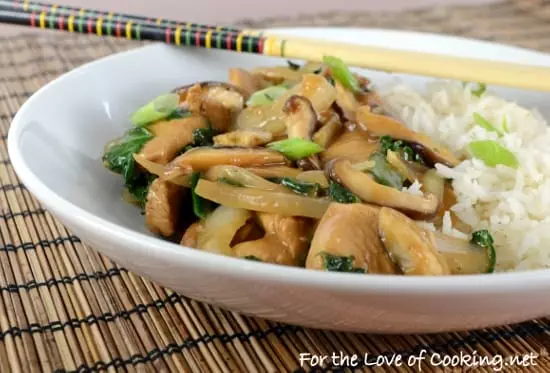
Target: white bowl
{"points": [[56, 142]]}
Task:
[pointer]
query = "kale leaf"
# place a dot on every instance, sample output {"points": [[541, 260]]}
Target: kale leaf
{"points": [[406, 151], [119, 155], [336, 263], [307, 189], [340, 194], [484, 239]]}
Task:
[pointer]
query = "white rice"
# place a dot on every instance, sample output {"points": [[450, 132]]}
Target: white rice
{"points": [[414, 189], [514, 205]]}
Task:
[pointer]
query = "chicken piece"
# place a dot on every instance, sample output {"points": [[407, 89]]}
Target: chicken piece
{"points": [[189, 238], [243, 138], [170, 137], [285, 241], [192, 98], [218, 102], [245, 81], [413, 249], [163, 207], [350, 231]]}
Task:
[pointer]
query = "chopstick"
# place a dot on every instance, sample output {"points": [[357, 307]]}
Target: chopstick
{"points": [[86, 15], [248, 41]]}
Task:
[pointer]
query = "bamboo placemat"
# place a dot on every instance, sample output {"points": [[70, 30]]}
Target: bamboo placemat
{"points": [[65, 308]]}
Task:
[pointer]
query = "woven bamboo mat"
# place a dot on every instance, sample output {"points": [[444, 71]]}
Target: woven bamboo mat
{"points": [[65, 308]]}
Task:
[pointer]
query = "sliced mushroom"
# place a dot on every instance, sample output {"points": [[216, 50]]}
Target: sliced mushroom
{"points": [[345, 101], [170, 137], [301, 118], [189, 238], [275, 171], [162, 208], [247, 83], [382, 125], [311, 163], [354, 146], [301, 121], [218, 102], [202, 158], [251, 231], [330, 130], [350, 230], [410, 247], [285, 241], [159, 170], [243, 138], [364, 186]]}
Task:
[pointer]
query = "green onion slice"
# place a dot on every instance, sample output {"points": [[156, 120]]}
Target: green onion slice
{"points": [[342, 73], [296, 148], [481, 121], [492, 153], [480, 90], [160, 108], [266, 96]]}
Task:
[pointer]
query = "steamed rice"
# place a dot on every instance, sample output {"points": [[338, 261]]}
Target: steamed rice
{"points": [[513, 204]]}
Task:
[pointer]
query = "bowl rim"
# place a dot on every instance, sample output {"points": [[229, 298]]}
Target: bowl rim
{"points": [[503, 282]]}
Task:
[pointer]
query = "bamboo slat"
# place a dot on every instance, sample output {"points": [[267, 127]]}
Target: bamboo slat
{"points": [[65, 308]]}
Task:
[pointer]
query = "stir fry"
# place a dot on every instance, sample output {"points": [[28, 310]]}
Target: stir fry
{"points": [[299, 166]]}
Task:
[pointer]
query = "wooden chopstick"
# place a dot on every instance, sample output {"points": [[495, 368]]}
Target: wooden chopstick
{"points": [[87, 15], [249, 41]]}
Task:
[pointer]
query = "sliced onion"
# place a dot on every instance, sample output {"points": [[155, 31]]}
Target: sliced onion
{"points": [[434, 184], [364, 166], [401, 166], [159, 170], [219, 229], [261, 118], [243, 177], [271, 117], [286, 204], [315, 176], [278, 74], [461, 256]]}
